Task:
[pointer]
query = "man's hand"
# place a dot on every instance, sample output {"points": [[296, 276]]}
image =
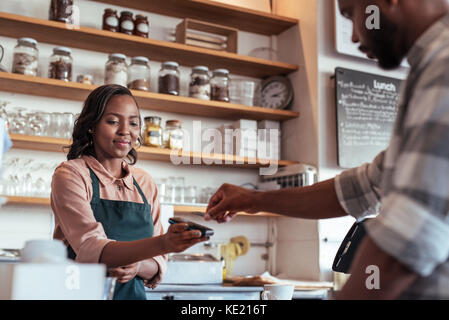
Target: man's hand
{"points": [[126, 273], [228, 201]]}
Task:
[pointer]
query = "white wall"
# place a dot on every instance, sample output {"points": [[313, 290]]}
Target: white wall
{"points": [[21, 223]]}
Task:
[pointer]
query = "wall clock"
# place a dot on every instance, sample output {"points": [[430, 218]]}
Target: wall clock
{"points": [[277, 93]]}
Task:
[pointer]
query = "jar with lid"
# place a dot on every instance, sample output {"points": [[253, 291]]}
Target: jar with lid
{"points": [[141, 26], [61, 64], [139, 73], [169, 78], [199, 86], [153, 132], [116, 70], [173, 135], [126, 22], [110, 20], [61, 10], [26, 56], [220, 85]]}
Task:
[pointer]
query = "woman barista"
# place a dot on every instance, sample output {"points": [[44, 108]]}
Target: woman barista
{"points": [[107, 211]]}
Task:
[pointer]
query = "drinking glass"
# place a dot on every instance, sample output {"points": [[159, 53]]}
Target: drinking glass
{"points": [[179, 190]]}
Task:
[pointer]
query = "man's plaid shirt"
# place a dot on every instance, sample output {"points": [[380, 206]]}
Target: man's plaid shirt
{"points": [[408, 184]]}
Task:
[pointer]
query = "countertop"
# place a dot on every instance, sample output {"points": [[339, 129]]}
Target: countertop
{"points": [[298, 294]]}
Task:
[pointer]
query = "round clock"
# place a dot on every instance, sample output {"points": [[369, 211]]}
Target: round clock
{"points": [[277, 93]]}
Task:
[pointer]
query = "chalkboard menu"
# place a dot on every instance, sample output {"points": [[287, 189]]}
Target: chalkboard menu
{"points": [[366, 111]]}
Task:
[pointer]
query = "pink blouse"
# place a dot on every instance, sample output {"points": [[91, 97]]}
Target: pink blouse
{"points": [[75, 224]]}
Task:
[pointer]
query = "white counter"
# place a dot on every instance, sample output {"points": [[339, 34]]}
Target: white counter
{"points": [[220, 292]]}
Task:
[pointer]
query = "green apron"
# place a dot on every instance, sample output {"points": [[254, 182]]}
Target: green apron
{"points": [[122, 221]]}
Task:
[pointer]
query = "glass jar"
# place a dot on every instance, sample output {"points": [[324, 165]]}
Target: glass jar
{"points": [[126, 22], [116, 70], [220, 85], [60, 10], [26, 56], [141, 26], [169, 78], [173, 135], [153, 132], [139, 73], [110, 20], [61, 64], [199, 86]]}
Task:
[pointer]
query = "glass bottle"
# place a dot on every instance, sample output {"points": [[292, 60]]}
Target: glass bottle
{"points": [[141, 26], [169, 78], [153, 132], [116, 70], [220, 85], [139, 73], [173, 135], [26, 56], [61, 64], [126, 22], [60, 10], [110, 20], [199, 86]]}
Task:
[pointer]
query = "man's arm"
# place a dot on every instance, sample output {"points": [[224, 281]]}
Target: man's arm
{"points": [[315, 202], [393, 277]]}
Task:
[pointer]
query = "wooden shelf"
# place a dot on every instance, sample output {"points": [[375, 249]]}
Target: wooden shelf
{"points": [[214, 12], [58, 33], [179, 209], [52, 88], [202, 209], [147, 153]]}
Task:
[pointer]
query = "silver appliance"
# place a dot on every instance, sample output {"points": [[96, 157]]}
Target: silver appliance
{"points": [[297, 175]]}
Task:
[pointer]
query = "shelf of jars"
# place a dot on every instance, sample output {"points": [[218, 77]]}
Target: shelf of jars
{"points": [[51, 144], [52, 88], [209, 11], [178, 209], [87, 38]]}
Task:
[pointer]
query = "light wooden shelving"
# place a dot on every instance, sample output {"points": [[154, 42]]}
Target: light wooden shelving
{"points": [[228, 15], [52, 88], [58, 33], [147, 153], [178, 209]]}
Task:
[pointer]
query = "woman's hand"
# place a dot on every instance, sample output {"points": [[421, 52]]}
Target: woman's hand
{"points": [[179, 239], [126, 273]]}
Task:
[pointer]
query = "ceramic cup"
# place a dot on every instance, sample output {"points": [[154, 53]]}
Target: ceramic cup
{"points": [[44, 251], [277, 292]]}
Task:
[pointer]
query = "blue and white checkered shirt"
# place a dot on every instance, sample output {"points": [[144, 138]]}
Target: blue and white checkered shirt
{"points": [[408, 184]]}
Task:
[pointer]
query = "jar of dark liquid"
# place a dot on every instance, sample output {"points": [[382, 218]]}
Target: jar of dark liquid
{"points": [[110, 20], [61, 10], [126, 22], [169, 78], [61, 64], [219, 84], [141, 26]]}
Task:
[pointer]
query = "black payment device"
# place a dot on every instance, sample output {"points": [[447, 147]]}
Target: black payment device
{"points": [[205, 231], [348, 248]]}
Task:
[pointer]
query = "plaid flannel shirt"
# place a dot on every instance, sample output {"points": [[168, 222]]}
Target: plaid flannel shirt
{"points": [[407, 185]]}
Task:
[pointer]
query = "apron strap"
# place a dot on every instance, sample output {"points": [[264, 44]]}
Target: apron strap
{"points": [[140, 191], [96, 188]]}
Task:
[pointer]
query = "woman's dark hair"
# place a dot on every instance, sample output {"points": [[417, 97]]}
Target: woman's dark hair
{"points": [[93, 110]]}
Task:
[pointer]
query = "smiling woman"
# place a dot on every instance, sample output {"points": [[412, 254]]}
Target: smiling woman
{"points": [[105, 210]]}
